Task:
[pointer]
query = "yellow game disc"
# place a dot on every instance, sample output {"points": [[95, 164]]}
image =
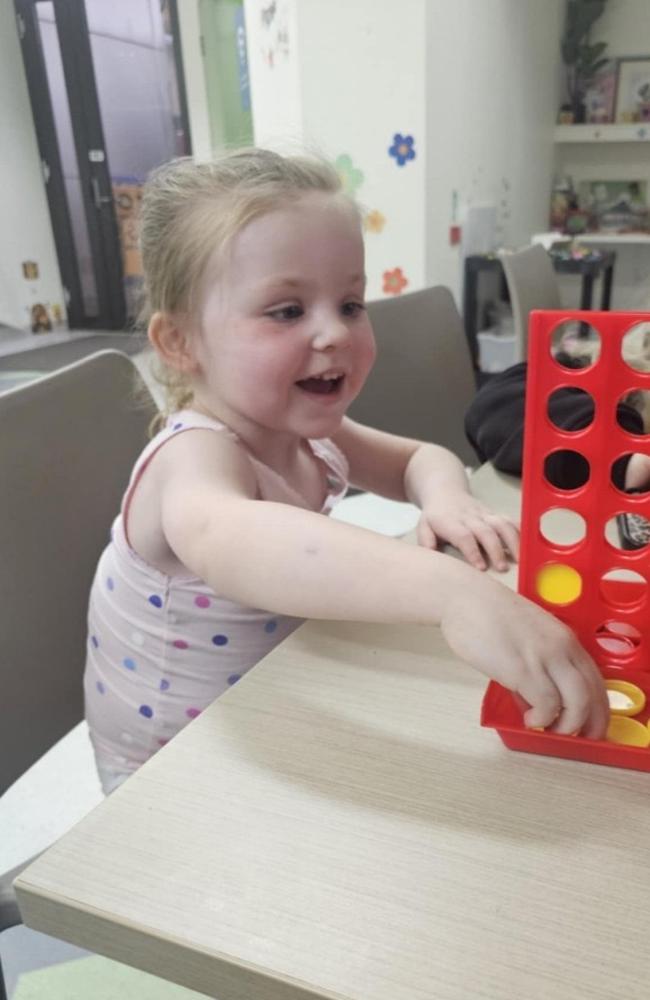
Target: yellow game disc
{"points": [[627, 731], [624, 698], [559, 584]]}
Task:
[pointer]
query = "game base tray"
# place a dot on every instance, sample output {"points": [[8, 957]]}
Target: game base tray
{"points": [[500, 712]]}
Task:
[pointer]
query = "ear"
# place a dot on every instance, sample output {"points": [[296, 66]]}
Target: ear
{"points": [[173, 342]]}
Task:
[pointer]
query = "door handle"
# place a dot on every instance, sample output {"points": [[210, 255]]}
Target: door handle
{"points": [[99, 198]]}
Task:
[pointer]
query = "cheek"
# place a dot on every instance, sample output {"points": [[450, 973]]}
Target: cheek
{"points": [[367, 350]]}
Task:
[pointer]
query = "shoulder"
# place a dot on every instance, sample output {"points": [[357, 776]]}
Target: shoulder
{"points": [[206, 458]]}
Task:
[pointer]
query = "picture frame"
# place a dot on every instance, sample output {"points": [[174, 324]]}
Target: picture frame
{"points": [[632, 102], [600, 95]]}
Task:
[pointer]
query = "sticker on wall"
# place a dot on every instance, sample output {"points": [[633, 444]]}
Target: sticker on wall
{"points": [[402, 148], [351, 176], [56, 310], [40, 321], [30, 270], [394, 282], [374, 221], [275, 25]]}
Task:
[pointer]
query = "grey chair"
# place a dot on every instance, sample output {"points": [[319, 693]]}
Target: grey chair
{"points": [[422, 381], [532, 284], [67, 446]]}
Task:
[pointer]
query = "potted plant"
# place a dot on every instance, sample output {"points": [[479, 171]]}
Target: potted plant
{"points": [[582, 59]]}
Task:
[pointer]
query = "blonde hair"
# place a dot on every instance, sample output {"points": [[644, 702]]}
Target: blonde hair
{"points": [[190, 209]]}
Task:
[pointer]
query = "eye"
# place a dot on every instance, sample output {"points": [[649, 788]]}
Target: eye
{"points": [[284, 314], [352, 308]]}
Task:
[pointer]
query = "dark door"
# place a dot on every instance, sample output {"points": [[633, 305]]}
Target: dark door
{"points": [[108, 106]]}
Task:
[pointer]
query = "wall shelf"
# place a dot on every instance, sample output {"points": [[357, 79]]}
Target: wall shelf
{"points": [[637, 132], [613, 238]]}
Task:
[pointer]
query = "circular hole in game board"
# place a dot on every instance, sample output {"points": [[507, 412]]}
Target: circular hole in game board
{"points": [[557, 583], [566, 469], [568, 403], [561, 526], [639, 401], [628, 531], [618, 638], [635, 347], [623, 588], [631, 471], [575, 344]]}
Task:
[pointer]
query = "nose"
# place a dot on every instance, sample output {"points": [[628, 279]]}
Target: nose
{"points": [[331, 332]]}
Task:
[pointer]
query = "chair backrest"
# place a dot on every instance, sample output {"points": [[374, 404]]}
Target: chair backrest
{"points": [[422, 381], [67, 445], [532, 284]]}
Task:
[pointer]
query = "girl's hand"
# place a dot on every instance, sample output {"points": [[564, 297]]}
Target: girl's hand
{"points": [[527, 650], [485, 539]]}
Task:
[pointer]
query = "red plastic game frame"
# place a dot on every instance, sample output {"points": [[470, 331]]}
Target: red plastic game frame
{"points": [[601, 602]]}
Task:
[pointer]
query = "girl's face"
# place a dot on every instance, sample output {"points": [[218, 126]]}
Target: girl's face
{"points": [[285, 343]]}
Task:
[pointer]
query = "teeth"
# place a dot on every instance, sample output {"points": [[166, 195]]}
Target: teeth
{"points": [[328, 378]]}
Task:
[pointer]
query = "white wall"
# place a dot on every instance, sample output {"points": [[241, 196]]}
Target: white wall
{"points": [[342, 78], [625, 26], [24, 217], [474, 83], [491, 103]]}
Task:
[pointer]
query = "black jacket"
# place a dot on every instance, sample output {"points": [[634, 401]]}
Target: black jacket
{"points": [[494, 425]]}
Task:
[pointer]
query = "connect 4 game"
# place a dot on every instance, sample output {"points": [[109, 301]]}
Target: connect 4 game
{"points": [[574, 561]]}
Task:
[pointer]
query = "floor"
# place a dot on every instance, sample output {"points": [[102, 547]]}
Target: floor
{"points": [[38, 967]]}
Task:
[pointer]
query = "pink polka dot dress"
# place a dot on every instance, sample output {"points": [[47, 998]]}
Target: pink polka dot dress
{"points": [[161, 648]]}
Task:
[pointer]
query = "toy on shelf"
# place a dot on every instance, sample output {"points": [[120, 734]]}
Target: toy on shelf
{"points": [[575, 560]]}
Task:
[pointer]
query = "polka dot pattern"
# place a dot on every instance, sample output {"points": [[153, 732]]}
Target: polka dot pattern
{"points": [[165, 647]]}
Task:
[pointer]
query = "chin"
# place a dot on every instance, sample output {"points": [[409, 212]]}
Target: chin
{"points": [[322, 427]]}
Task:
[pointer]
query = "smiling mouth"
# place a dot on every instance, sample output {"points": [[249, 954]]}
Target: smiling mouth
{"points": [[322, 386]]}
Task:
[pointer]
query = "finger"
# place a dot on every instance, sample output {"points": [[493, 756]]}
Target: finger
{"points": [[491, 544], [544, 699], [597, 720], [467, 545], [509, 534], [577, 696], [426, 536]]}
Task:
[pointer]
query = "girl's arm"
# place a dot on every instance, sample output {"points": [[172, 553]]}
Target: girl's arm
{"points": [[292, 561], [434, 479]]}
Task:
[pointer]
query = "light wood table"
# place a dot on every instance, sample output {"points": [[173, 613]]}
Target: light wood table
{"points": [[338, 825]]}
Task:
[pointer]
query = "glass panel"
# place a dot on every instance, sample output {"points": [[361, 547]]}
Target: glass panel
{"points": [[133, 56], [69, 165]]}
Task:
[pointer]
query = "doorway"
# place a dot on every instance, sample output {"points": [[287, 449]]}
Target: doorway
{"points": [[106, 88]]}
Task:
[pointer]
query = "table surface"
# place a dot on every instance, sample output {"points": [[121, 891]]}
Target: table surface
{"points": [[338, 825]]}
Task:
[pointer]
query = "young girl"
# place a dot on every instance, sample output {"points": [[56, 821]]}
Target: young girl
{"points": [[255, 279]]}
